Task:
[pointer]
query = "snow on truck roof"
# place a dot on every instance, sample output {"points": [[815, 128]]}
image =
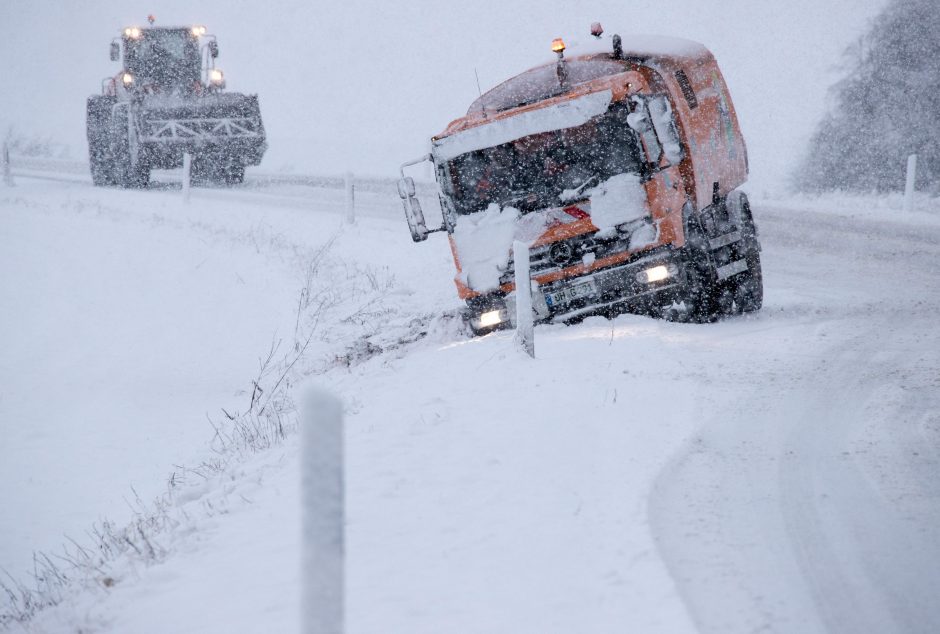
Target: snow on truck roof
{"points": [[589, 61], [635, 45]]}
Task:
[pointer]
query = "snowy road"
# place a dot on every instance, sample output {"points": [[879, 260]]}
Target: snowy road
{"points": [[808, 501], [772, 473]]}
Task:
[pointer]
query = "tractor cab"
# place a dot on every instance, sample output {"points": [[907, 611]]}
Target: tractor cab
{"points": [[168, 60], [164, 57]]}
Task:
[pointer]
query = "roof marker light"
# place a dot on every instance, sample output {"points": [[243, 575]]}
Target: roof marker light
{"points": [[558, 45], [596, 29]]}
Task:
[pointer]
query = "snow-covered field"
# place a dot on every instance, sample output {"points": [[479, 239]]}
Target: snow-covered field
{"points": [[770, 473]]}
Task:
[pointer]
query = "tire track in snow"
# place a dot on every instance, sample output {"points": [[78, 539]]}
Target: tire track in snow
{"points": [[809, 501]]}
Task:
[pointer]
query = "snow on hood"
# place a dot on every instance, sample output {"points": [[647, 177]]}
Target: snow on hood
{"points": [[484, 241], [568, 114], [617, 200]]}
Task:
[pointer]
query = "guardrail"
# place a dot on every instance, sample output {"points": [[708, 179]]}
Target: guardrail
{"points": [[253, 176]]}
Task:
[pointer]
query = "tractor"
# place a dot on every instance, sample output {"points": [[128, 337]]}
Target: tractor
{"points": [[167, 101]]}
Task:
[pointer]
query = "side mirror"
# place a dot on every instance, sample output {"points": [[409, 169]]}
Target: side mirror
{"points": [[115, 51], [213, 49], [413, 212], [406, 188]]}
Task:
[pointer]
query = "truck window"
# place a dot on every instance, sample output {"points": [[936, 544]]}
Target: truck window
{"points": [[653, 121], [532, 172]]}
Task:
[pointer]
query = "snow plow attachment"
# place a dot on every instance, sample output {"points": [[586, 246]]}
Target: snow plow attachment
{"points": [[224, 133]]}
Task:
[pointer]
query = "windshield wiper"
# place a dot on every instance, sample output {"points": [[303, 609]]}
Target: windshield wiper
{"points": [[569, 195]]}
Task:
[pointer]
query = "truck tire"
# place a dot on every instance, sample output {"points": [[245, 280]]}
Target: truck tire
{"points": [[126, 172], [749, 290], [698, 297], [748, 286], [98, 130]]}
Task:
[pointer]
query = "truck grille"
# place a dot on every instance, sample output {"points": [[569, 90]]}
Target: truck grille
{"points": [[549, 258]]}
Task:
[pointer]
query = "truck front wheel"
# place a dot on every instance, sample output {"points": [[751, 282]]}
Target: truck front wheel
{"points": [[698, 298]]}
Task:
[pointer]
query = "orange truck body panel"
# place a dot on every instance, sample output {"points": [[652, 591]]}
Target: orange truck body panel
{"points": [[707, 125]]}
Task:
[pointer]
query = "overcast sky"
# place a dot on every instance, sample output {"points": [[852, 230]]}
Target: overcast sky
{"points": [[362, 85]]}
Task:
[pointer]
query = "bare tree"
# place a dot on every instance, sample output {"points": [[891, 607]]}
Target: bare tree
{"points": [[885, 109]]}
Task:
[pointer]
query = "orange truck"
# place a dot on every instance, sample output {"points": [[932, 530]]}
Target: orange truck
{"points": [[620, 168]]}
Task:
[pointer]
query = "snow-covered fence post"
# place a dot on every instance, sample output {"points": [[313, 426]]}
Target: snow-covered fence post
{"points": [[5, 160], [350, 198], [909, 187], [323, 513], [525, 326], [187, 175]]}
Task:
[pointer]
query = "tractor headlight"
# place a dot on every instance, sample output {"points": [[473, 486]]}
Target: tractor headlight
{"points": [[127, 79], [217, 78], [132, 32], [198, 30]]}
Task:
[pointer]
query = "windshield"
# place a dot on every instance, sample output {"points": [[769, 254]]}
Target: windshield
{"points": [[164, 56], [532, 172]]}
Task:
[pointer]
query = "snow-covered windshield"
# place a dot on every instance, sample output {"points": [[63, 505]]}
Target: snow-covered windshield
{"points": [[164, 56], [542, 83], [532, 172]]}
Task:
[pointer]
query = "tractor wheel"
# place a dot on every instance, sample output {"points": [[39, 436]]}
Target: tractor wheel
{"points": [[126, 173], [212, 168], [98, 129], [99, 160], [233, 173]]}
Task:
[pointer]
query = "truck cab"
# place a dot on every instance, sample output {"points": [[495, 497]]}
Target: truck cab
{"points": [[620, 167]]}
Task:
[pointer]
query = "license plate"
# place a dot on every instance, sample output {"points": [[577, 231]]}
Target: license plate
{"points": [[571, 293]]}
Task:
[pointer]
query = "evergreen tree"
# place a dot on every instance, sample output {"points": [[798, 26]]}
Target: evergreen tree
{"points": [[887, 108]]}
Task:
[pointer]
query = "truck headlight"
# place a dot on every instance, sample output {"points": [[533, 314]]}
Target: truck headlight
{"points": [[127, 79], [656, 273], [490, 318]]}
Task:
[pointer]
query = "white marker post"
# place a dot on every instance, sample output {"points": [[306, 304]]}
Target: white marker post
{"points": [[5, 160], [909, 188], [187, 175], [323, 513], [525, 326], [350, 198]]}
